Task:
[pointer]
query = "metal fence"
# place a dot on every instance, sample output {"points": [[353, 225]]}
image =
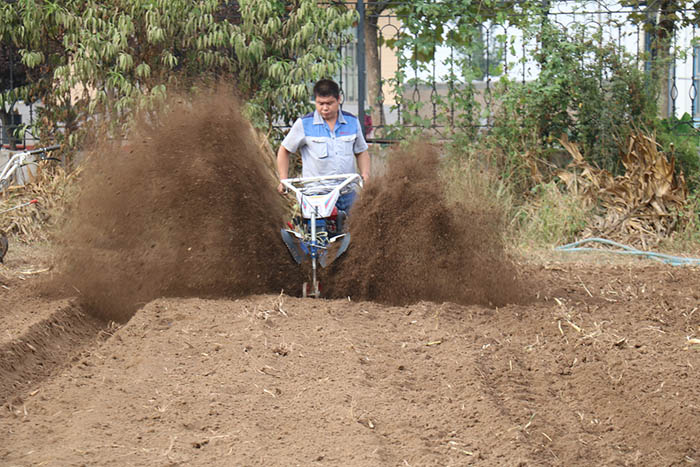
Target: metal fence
{"points": [[17, 134], [408, 92]]}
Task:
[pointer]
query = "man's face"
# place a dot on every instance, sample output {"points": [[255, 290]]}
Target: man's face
{"points": [[327, 107]]}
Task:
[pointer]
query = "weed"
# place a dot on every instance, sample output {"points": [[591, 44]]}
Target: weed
{"points": [[550, 217]]}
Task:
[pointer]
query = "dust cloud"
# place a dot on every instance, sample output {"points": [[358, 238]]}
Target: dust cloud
{"points": [[188, 208], [409, 244]]}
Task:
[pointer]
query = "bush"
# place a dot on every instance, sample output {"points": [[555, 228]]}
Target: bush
{"points": [[680, 138], [587, 90]]}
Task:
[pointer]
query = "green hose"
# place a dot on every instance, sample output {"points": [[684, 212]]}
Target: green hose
{"points": [[628, 250]]}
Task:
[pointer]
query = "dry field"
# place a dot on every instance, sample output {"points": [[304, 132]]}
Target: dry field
{"points": [[161, 326], [597, 370]]}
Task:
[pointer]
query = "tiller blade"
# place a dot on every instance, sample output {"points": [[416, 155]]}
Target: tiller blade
{"points": [[336, 247], [293, 245]]}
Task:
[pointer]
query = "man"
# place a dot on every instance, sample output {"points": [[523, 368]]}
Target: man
{"points": [[329, 139]]}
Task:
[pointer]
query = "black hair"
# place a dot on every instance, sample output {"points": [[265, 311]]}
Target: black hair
{"points": [[326, 88]]}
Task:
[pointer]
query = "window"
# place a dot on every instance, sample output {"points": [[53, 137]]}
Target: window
{"points": [[348, 73]]}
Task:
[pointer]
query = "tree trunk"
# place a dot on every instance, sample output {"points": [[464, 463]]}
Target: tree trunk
{"points": [[661, 55], [374, 72], [661, 68]]}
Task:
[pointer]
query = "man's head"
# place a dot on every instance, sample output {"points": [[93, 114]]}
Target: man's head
{"points": [[327, 98]]}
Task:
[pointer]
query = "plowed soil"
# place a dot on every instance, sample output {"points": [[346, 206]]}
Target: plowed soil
{"points": [[166, 328], [596, 371]]}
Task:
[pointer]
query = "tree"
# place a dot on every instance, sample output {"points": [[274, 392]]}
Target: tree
{"points": [[20, 81], [108, 59], [31, 30], [373, 10], [283, 46], [661, 19], [428, 25]]}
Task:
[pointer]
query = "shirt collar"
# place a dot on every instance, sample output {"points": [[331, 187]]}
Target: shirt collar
{"points": [[318, 120]]}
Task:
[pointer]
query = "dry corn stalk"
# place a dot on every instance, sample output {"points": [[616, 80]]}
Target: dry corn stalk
{"points": [[50, 187], [640, 207]]}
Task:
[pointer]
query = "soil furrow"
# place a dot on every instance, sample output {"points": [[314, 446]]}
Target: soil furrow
{"points": [[47, 346]]}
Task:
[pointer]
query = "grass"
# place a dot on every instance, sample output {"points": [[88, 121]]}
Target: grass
{"points": [[472, 182], [686, 239], [543, 218], [550, 217]]}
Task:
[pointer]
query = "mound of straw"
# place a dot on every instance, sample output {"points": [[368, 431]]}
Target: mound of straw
{"points": [[641, 207], [49, 185]]}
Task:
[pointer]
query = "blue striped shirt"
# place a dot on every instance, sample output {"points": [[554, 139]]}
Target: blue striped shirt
{"points": [[326, 152]]}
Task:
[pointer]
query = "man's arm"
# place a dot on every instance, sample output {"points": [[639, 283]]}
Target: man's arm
{"points": [[290, 144], [360, 149], [363, 164], [282, 166]]}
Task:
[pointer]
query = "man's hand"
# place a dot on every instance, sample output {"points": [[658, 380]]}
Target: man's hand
{"points": [[363, 165]]}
